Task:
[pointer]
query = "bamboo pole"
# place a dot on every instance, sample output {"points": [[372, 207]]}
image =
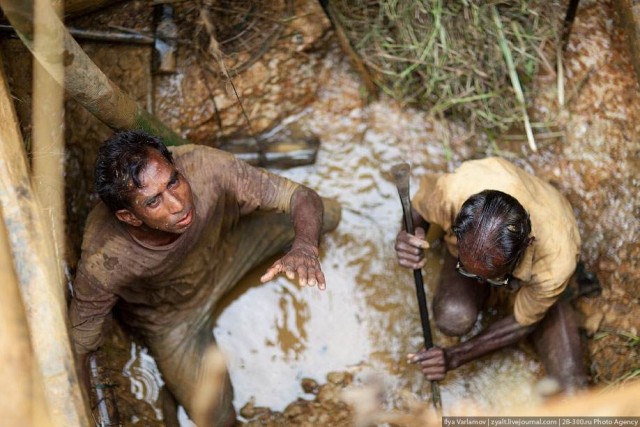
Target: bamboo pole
{"points": [[48, 128], [83, 80], [515, 81], [23, 402], [35, 267], [354, 58]]}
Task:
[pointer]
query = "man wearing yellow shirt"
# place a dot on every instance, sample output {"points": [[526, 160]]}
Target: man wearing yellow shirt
{"points": [[506, 229]]}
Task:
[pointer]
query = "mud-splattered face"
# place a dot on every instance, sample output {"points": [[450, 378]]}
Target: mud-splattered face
{"points": [[164, 201]]}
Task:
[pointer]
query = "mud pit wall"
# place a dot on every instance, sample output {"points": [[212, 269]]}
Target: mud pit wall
{"points": [[594, 163]]}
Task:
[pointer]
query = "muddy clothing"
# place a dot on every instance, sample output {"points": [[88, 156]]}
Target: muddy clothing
{"points": [[547, 264], [167, 294]]}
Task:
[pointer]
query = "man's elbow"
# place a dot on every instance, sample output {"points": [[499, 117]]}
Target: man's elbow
{"points": [[306, 197]]}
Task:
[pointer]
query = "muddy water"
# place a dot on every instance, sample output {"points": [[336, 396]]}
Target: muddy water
{"points": [[367, 320]]}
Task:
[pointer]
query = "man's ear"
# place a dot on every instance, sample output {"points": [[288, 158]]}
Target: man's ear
{"points": [[128, 217], [529, 240]]}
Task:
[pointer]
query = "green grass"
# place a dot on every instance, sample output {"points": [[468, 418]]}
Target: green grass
{"points": [[471, 60]]}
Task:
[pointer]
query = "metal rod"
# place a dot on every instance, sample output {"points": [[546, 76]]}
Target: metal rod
{"points": [[96, 36], [401, 176]]}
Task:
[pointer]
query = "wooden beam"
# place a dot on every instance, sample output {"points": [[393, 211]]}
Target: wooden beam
{"points": [[92, 89], [35, 265], [48, 130], [23, 402]]}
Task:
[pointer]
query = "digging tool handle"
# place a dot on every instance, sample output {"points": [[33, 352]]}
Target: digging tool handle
{"points": [[401, 176]]}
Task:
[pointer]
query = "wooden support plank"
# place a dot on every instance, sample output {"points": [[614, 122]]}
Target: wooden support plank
{"points": [[47, 151], [34, 263], [24, 405]]}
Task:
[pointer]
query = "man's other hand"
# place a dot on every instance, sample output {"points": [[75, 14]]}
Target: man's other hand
{"points": [[433, 362], [301, 260], [409, 249]]}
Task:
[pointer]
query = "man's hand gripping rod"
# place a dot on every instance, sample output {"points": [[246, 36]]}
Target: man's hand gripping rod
{"points": [[401, 177]]}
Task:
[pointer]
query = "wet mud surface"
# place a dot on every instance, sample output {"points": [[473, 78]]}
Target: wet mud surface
{"points": [[291, 352]]}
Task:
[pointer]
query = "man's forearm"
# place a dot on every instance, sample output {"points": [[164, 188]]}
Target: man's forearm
{"points": [[306, 214], [500, 334]]}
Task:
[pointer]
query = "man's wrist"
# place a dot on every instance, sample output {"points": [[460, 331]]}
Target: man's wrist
{"points": [[305, 245], [451, 357]]}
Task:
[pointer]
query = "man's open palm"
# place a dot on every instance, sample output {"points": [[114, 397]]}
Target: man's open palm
{"points": [[303, 261]]}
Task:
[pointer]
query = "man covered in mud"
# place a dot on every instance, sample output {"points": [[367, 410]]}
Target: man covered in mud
{"points": [[175, 231], [510, 236]]}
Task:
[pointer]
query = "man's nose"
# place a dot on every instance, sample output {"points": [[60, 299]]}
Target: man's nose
{"points": [[176, 204]]}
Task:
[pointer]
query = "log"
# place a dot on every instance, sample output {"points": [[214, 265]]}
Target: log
{"points": [[35, 265], [23, 402], [354, 58], [48, 133], [210, 387]]}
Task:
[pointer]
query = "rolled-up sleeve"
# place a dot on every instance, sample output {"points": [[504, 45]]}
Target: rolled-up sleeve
{"points": [[257, 188]]}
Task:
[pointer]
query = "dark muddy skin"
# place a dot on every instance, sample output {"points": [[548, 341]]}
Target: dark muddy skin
{"points": [[459, 300]]}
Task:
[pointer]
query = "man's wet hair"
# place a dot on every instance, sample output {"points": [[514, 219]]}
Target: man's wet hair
{"points": [[493, 227], [121, 159]]}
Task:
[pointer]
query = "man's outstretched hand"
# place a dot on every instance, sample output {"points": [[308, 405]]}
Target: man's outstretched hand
{"points": [[301, 260], [433, 362]]}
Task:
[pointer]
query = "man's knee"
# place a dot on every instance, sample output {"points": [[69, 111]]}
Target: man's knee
{"points": [[332, 214], [455, 318]]}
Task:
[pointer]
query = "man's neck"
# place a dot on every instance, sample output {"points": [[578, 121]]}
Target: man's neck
{"points": [[150, 236]]}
